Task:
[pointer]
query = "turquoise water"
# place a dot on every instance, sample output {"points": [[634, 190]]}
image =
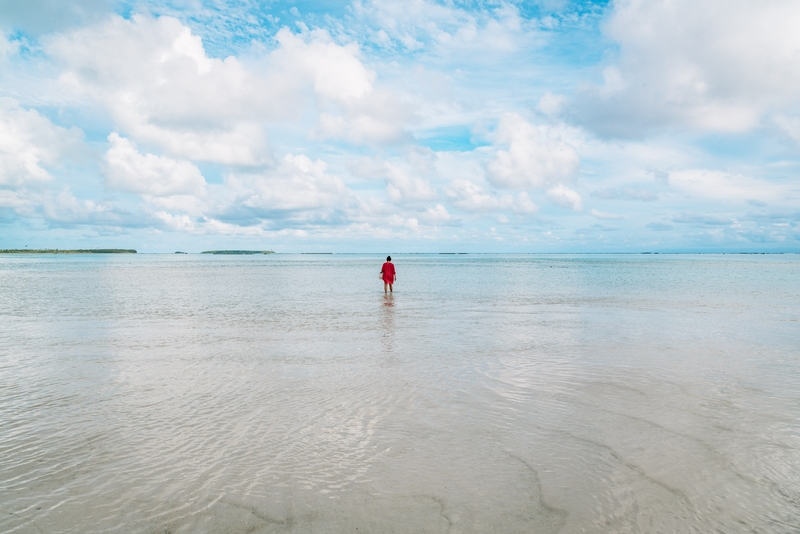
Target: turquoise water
{"points": [[489, 393]]}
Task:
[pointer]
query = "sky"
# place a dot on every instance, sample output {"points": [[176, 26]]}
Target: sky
{"points": [[401, 126]]}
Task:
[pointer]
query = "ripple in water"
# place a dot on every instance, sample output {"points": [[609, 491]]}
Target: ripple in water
{"points": [[283, 393]]}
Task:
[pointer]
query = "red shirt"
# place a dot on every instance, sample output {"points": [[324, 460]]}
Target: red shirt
{"points": [[388, 272]]}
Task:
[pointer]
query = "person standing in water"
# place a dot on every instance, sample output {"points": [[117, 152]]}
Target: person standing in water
{"points": [[388, 274]]}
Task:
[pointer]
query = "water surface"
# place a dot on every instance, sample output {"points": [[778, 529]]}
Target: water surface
{"points": [[282, 393]]}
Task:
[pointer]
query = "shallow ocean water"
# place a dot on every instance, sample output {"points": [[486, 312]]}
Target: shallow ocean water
{"points": [[490, 393]]}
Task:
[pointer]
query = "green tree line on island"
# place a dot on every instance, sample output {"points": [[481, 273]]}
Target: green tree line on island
{"points": [[67, 251], [115, 251]]}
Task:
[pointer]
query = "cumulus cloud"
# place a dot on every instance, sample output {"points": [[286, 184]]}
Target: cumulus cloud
{"points": [[60, 207], [387, 75], [404, 181], [551, 104], [161, 87], [536, 155], [405, 187], [352, 108], [437, 215], [148, 174], [155, 78], [379, 118], [64, 207], [296, 184], [565, 197], [715, 66], [337, 71], [29, 143], [471, 197]]}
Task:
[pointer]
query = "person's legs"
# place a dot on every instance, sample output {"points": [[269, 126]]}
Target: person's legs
{"points": [[384, 286], [391, 290]]}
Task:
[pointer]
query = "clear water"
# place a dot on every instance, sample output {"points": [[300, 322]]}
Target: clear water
{"points": [[285, 393]]}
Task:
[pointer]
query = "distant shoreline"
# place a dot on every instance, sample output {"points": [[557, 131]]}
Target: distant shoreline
{"points": [[67, 251], [237, 252], [252, 252]]}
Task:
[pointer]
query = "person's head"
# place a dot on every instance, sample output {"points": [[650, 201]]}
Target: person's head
{"points": [[388, 258]]}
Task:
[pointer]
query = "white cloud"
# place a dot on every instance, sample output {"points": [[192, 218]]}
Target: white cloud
{"points": [[469, 196], [371, 168], [551, 104], [419, 24], [437, 73], [178, 223], [65, 208], [536, 155], [351, 107], [297, 184], [7, 48], [719, 185], [128, 170], [437, 215], [155, 78], [60, 207], [29, 143], [17, 201], [626, 193], [499, 31], [789, 125], [716, 65], [523, 204], [337, 71], [398, 221], [565, 197], [402, 186], [606, 215], [404, 180], [378, 118]]}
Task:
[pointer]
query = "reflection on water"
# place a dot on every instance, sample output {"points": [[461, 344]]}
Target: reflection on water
{"points": [[388, 323], [559, 394]]}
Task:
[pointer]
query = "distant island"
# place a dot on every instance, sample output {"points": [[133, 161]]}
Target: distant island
{"points": [[238, 252], [67, 251]]}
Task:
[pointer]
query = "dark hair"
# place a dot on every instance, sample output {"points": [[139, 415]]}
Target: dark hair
{"points": [[388, 258]]}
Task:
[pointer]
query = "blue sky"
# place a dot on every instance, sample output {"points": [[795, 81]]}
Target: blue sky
{"points": [[379, 125]]}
